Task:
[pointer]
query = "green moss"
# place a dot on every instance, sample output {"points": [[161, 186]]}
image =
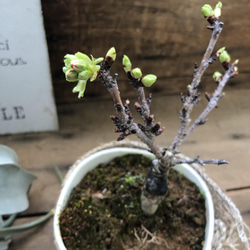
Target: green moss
{"points": [[104, 209]]}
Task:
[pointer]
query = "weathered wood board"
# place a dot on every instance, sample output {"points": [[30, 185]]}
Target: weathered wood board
{"points": [[162, 37]]}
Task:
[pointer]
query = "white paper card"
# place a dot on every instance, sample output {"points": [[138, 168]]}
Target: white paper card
{"points": [[26, 95]]}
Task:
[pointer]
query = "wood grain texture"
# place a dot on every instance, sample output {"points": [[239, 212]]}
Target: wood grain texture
{"points": [[241, 200], [162, 37]]}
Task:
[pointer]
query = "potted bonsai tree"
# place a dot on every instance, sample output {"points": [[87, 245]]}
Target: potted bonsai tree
{"points": [[156, 187]]}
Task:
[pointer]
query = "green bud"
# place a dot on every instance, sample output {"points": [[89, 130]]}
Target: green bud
{"points": [[207, 10], [84, 75], [217, 10], [78, 65], [65, 69], [224, 57], [80, 87], [236, 61], [68, 59], [217, 76], [136, 73], [71, 75], [127, 65], [220, 51], [149, 80], [111, 53]]}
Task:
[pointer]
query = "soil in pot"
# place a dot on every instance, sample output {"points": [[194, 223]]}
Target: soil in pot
{"points": [[104, 212]]}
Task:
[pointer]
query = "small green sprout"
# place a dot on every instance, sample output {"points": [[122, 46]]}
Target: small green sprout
{"points": [[219, 51], [217, 9], [132, 180], [149, 80], [136, 73], [224, 57], [217, 76], [127, 65], [207, 10], [111, 54]]}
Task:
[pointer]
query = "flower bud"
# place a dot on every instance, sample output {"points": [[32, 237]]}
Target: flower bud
{"points": [[84, 75], [65, 69], [95, 74], [217, 10], [111, 53], [127, 65], [220, 51], [207, 10], [149, 80], [136, 73], [77, 65], [224, 57], [236, 61], [71, 75], [217, 76]]}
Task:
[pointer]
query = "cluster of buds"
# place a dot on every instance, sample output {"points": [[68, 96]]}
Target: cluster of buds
{"points": [[224, 57], [211, 14], [136, 73], [225, 60], [79, 67]]}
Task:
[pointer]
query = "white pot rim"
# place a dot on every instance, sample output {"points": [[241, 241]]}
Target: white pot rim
{"points": [[83, 166]]}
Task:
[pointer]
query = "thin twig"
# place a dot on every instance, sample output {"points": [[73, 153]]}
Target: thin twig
{"points": [[192, 92], [203, 162], [217, 95], [124, 120]]}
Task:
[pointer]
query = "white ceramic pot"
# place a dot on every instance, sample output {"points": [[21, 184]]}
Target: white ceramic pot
{"points": [[82, 167]]}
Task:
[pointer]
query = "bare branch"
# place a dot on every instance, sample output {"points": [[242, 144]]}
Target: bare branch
{"points": [[203, 162], [213, 102], [124, 120], [192, 93]]}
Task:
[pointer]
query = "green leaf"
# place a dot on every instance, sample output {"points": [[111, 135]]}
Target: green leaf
{"points": [[84, 57], [4, 243], [15, 183], [98, 60], [80, 87]]}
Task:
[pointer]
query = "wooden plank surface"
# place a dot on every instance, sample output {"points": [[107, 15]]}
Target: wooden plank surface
{"points": [[162, 37], [35, 239], [241, 199], [86, 125]]}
